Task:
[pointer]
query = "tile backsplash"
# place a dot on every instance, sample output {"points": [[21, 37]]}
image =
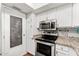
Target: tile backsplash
{"points": [[69, 32]]}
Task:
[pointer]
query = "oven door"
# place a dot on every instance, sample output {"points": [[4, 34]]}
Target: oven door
{"points": [[44, 49]]}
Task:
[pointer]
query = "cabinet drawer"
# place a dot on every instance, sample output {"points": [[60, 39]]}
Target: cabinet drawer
{"points": [[62, 48], [64, 53], [61, 53]]}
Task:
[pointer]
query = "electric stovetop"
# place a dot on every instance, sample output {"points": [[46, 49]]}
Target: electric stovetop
{"points": [[47, 38]]}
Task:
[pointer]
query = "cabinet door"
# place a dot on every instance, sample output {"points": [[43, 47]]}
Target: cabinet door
{"points": [[65, 51], [61, 54], [64, 15], [72, 52], [76, 14], [52, 14], [47, 15]]}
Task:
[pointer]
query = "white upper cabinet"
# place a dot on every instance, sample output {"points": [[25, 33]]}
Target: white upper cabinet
{"points": [[64, 16], [75, 14], [49, 14], [46, 15], [52, 14]]}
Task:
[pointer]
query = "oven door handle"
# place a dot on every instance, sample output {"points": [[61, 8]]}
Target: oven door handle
{"points": [[50, 44]]}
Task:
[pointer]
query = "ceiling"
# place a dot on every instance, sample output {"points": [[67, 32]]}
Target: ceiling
{"points": [[20, 6], [36, 5], [32, 7]]}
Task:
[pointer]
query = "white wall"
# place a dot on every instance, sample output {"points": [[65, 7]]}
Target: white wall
{"points": [[6, 50], [31, 31]]}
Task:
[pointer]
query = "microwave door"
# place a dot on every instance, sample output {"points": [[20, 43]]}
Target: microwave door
{"points": [[45, 25]]}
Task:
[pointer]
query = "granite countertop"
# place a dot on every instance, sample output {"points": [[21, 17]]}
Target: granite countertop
{"points": [[72, 42]]}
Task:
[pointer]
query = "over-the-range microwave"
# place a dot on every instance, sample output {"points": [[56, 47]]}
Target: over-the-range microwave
{"points": [[48, 25]]}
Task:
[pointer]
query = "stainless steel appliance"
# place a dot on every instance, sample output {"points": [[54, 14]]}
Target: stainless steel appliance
{"points": [[48, 25], [45, 46], [45, 49]]}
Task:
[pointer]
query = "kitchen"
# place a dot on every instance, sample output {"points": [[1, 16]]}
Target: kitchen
{"points": [[52, 29]]}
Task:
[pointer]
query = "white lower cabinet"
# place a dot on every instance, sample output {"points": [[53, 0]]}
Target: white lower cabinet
{"points": [[61, 54], [62, 50]]}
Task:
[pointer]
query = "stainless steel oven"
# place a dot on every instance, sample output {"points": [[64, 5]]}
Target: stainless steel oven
{"points": [[44, 49]]}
